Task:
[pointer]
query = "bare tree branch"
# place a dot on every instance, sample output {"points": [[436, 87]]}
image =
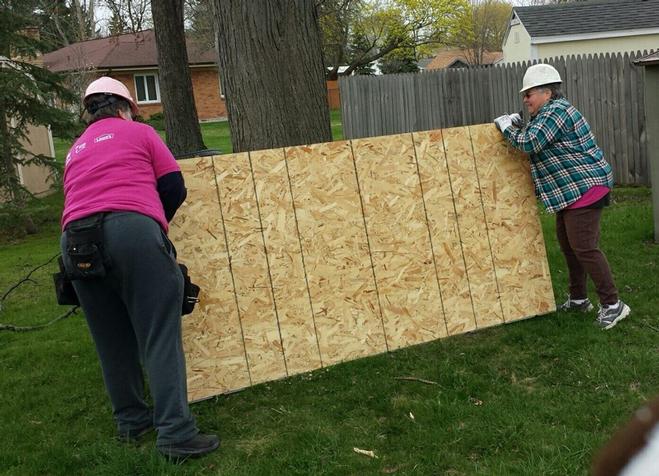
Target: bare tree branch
{"points": [[25, 279], [11, 327]]}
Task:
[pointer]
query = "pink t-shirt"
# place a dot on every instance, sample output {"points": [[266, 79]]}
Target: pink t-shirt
{"points": [[592, 195], [114, 166]]}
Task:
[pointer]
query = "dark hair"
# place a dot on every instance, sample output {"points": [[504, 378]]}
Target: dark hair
{"points": [[102, 106], [554, 89]]}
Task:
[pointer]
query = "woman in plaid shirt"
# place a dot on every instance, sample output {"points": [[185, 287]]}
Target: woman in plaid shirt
{"points": [[573, 180]]}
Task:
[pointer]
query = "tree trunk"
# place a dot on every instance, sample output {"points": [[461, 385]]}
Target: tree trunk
{"points": [[181, 121], [273, 78]]}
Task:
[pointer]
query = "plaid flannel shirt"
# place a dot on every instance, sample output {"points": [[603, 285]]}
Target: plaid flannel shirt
{"points": [[565, 160]]}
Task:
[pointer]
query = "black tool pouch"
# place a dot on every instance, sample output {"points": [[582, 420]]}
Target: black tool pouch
{"points": [[84, 248], [66, 295], [190, 291]]}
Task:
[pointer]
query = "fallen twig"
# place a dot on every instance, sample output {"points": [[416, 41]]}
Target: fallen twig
{"points": [[26, 278], [11, 327], [368, 453], [417, 379]]}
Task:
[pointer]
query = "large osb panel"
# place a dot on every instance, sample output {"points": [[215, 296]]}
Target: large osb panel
{"points": [[399, 240], [518, 247], [213, 340], [249, 268], [335, 249], [312, 255]]}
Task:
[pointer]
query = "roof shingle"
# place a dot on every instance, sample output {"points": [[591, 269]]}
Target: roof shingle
{"points": [[133, 50], [446, 58], [590, 16]]}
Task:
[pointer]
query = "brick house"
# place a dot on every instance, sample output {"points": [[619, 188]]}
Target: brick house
{"points": [[133, 59]]}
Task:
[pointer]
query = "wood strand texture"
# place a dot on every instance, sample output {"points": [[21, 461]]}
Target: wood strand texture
{"points": [[313, 255]]}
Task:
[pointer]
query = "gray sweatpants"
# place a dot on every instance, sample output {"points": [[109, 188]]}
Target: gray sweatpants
{"points": [[134, 315]]}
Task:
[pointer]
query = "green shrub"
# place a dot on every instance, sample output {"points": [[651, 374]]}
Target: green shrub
{"points": [[157, 121]]}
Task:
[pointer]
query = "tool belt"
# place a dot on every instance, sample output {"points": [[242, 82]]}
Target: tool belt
{"points": [[64, 291], [190, 291], [84, 248]]}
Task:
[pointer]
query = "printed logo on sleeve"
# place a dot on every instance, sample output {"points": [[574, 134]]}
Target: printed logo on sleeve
{"points": [[81, 147], [103, 137]]}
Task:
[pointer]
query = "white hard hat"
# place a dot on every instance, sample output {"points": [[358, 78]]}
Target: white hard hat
{"points": [[539, 75], [107, 85]]}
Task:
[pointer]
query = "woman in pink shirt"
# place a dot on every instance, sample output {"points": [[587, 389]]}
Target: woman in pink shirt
{"points": [[122, 186]]}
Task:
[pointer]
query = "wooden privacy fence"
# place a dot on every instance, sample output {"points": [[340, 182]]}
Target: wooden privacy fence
{"points": [[607, 89], [312, 255]]}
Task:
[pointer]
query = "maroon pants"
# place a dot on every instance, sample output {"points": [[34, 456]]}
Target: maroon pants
{"points": [[578, 232]]}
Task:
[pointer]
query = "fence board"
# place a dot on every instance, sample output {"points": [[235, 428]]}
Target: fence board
{"points": [[629, 111], [607, 89], [641, 170], [640, 114], [610, 152]]}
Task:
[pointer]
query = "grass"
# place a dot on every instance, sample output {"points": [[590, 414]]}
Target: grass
{"points": [[533, 397]]}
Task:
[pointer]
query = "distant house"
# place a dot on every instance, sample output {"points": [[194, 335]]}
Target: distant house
{"points": [[38, 140], [586, 27], [649, 60], [423, 63], [133, 60], [456, 58]]}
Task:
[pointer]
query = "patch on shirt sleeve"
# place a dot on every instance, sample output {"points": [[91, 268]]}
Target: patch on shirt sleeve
{"points": [[103, 137]]}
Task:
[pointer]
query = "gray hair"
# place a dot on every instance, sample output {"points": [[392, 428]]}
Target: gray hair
{"points": [[554, 89], [101, 106]]}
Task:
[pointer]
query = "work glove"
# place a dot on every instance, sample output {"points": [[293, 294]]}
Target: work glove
{"points": [[517, 120], [503, 122]]}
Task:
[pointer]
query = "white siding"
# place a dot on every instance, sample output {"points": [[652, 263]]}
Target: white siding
{"points": [[602, 45], [517, 46]]}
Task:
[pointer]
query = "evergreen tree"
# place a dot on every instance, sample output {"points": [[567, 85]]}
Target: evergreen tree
{"points": [[27, 97], [360, 48], [401, 60]]}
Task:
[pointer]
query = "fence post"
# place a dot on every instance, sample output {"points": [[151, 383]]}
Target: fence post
{"points": [[652, 129]]}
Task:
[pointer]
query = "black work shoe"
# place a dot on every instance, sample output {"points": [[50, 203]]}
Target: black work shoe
{"points": [[135, 434], [196, 446]]}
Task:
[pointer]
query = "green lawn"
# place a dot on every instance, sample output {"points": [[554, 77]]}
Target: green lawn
{"points": [[536, 397]]}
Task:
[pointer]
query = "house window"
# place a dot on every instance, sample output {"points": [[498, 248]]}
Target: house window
{"points": [[147, 88], [516, 37]]}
